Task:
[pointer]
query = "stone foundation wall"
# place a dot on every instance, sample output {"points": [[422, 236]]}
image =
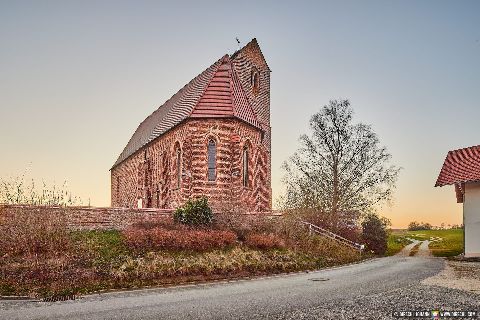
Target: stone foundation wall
{"points": [[91, 218]]}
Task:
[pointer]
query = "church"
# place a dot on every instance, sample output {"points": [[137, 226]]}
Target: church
{"points": [[212, 138]]}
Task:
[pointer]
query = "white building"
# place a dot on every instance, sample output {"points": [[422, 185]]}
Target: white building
{"points": [[462, 169]]}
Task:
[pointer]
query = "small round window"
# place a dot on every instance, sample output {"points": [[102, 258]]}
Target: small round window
{"points": [[255, 80]]}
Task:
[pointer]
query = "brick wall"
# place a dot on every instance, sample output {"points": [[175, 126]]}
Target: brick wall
{"points": [[151, 173], [244, 61], [93, 218]]}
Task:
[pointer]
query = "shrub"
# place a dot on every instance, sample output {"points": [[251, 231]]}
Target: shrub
{"points": [[194, 212], [264, 241], [142, 240], [344, 223], [375, 233], [28, 232], [241, 224]]}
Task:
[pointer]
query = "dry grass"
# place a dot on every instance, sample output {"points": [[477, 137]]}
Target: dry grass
{"points": [[32, 233], [41, 258], [264, 241], [159, 238]]}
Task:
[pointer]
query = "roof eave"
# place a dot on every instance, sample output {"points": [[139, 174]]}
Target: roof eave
{"points": [[456, 182], [177, 125]]}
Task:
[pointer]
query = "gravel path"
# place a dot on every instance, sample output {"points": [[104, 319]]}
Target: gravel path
{"points": [[406, 250], [380, 306], [423, 250], [460, 275]]}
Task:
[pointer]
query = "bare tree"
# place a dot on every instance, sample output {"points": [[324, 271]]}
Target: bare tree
{"points": [[341, 167]]}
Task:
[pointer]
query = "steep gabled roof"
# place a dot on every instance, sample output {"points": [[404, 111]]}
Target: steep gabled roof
{"points": [[215, 93], [460, 166], [217, 99]]}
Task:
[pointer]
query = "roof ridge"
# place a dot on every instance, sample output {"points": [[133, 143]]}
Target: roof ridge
{"points": [[466, 148]]}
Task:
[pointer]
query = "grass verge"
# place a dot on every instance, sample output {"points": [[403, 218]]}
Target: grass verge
{"points": [[103, 260], [443, 243], [415, 249], [396, 243]]}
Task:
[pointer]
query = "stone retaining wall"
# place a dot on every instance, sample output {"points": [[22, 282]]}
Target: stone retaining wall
{"points": [[93, 218]]}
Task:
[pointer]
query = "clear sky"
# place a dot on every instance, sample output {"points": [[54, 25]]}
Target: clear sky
{"points": [[77, 77]]}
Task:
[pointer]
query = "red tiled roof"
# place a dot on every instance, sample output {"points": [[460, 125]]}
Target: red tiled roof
{"points": [[460, 166], [215, 93], [216, 101]]}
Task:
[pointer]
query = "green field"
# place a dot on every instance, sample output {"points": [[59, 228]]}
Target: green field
{"points": [[396, 242], [444, 243]]}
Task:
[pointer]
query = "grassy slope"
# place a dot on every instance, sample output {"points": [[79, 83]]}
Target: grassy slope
{"points": [[99, 260], [396, 242], [451, 243]]}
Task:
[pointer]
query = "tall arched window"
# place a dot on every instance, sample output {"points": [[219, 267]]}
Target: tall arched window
{"points": [[245, 166], [255, 80], [118, 186], [212, 161], [179, 167]]}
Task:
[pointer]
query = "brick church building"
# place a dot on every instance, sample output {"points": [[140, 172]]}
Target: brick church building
{"points": [[211, 138]]}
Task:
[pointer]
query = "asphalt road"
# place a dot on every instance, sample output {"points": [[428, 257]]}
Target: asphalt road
{"points": [[369, 290]]}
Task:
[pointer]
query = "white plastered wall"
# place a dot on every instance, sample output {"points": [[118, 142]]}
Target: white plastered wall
{"points": [[471, 216]]}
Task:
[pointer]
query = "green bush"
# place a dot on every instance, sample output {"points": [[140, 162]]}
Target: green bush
{"points": [[374, 233], [194, 212]]}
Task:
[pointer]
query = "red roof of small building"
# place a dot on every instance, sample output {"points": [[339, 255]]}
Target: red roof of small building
{"points": [[215, 93], [460, 166]]}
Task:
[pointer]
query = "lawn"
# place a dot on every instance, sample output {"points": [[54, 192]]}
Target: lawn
{"points": [[396, 242], [444, 243]]}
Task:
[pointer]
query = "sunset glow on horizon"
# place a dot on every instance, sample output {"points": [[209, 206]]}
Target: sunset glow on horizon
{"points": [[78, 78]]}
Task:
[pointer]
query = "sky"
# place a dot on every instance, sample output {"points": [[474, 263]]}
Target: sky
{"points": [[77, 78]]}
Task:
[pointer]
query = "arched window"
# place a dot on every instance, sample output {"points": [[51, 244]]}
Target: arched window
{"points": [[118, 186], [245, 166], [212, 161], [179, 167], [255, 80]]}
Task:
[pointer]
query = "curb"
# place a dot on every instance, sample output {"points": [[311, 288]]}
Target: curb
{"points": [[221, 281], [194, 283], [18, 298]]}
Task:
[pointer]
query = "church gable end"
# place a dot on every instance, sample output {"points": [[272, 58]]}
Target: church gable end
{"points": [[211, 138]]}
